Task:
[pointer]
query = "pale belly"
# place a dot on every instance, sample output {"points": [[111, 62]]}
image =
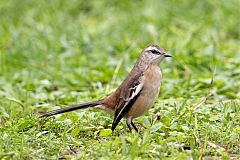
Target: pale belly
{"points": [[148, 94]]}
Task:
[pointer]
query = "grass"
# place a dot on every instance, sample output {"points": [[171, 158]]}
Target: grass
{"points": [[57, 53]]}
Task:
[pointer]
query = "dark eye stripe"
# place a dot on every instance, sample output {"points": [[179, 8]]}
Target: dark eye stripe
{"points": [[155, 52]]}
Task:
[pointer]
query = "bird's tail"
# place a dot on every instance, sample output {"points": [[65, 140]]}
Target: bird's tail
{"points": [[71, 108]]}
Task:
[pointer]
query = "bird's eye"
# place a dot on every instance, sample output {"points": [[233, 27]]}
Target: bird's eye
{"points": [[155, 52]]}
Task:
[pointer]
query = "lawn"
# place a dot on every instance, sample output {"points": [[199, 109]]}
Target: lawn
{"points": [[59, 53]]}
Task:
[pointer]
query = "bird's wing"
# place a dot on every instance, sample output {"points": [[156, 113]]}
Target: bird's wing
{"points": [[130, 93]]}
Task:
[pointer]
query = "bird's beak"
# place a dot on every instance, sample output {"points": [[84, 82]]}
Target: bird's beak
{"points": [[167, 55]]}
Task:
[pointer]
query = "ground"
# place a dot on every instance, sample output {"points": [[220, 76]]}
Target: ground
{"points": [[59, 53]]}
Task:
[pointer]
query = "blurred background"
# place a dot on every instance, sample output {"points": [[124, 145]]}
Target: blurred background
{"points": [[74, 44], [61, 52]]}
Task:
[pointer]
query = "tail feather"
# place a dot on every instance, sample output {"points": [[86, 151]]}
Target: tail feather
{"points": [[71, 108]]}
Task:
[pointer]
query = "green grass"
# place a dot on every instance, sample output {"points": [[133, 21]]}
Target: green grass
{"points": [[58, 53]]}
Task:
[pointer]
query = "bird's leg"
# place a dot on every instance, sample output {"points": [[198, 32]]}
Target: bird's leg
{"points": [[128, 122], [135, 128]]}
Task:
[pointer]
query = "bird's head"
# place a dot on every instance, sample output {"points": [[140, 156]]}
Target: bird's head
{"points": [[154, 54]]}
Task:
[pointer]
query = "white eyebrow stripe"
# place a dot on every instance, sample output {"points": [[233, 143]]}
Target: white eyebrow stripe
{"points": [[151, 48]]}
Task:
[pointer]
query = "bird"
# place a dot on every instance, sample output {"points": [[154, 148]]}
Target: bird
{"points": [[135, 95]]}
